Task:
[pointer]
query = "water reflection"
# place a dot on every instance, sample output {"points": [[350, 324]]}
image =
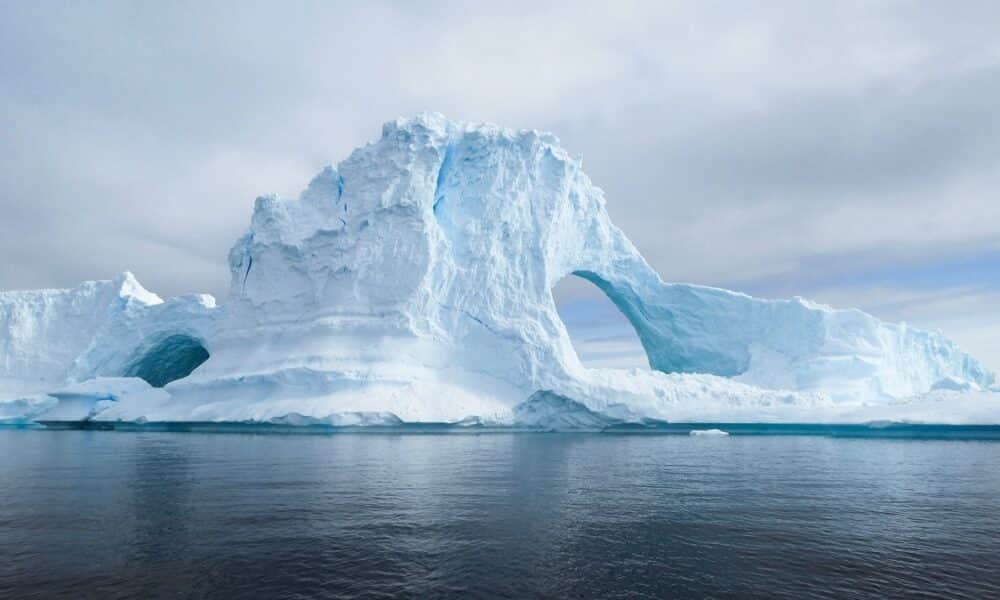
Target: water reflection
{"points": [[193, 515], [161, 484]]}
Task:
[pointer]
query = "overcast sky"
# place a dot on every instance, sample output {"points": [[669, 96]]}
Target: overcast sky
{"points": [[846, 152]]}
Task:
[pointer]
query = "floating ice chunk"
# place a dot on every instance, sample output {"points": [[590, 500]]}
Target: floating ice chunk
{"points": [[708, 432]]}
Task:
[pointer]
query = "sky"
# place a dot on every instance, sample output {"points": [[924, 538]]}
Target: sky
{"points": [[847, 152]]}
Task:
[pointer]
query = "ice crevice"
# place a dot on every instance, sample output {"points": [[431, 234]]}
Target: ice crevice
{"points": [[442, 176]]}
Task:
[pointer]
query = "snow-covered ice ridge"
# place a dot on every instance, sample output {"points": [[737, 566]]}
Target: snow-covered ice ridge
{"points": [[413, 282]]}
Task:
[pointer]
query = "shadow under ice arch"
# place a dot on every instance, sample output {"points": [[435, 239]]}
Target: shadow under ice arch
{"points": [[174, 357]]}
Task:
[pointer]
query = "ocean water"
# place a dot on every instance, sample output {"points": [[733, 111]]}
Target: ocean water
{"points": [[113, 514]]}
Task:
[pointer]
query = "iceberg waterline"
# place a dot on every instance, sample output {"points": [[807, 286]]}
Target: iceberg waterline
{"points": [[413, 283]]}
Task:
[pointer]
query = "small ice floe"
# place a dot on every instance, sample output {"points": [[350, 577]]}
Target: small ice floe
{"points": [[709, 432]]}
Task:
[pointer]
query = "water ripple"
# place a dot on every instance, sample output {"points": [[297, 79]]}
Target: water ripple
{"points": [[138, 514]]}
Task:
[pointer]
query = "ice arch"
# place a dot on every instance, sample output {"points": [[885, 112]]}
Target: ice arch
{"points": [[674, 324], [172, 358], [600, 334]]}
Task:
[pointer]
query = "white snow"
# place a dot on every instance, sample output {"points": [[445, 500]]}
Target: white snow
{"points": [[413, 281]]}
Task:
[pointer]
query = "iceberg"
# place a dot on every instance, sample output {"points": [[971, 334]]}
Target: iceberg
{"points": [[413, 283]]}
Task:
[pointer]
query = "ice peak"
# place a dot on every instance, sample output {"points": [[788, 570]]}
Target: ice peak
{"points": [[129, 287], [424, 126], [324, 187]]}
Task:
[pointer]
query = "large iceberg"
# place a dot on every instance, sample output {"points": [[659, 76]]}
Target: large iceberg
{"points": [[413, 282]]}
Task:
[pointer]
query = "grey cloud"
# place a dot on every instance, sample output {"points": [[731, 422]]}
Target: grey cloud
{"points": [[773, 147]]}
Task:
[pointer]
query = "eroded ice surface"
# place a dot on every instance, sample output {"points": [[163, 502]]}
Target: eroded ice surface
{"points": [[413, 282]]}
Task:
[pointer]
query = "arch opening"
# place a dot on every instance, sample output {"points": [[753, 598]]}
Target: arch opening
{"points": [[601, 334], [172, 358]]}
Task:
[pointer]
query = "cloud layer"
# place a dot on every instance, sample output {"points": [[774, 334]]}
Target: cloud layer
{"points": [[848, 152]]}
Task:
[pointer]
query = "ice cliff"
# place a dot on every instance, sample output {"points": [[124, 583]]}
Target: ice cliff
{"points": [[413, 281]]}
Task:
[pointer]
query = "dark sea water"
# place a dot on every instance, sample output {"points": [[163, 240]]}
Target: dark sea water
{"points": [[95, 514]]}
